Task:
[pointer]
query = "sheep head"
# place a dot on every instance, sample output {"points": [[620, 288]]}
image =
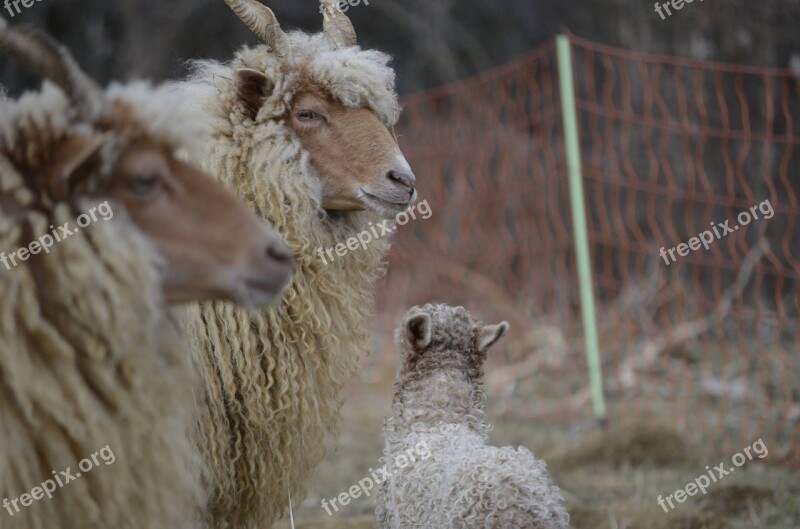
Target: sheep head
{"points": [[432, 337], [214, 247], [352, 148]]}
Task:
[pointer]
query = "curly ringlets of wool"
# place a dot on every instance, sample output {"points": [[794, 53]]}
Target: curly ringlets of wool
{"points": [[274, 377], [89, 355], [465, 483]]}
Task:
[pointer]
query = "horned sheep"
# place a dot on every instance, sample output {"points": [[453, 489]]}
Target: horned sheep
{"points": [[302, 132], [465, 483], [91, 360]]}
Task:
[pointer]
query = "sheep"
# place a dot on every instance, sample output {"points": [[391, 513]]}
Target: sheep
{"points": [[301, 131], [465, 483], [96, 383]]}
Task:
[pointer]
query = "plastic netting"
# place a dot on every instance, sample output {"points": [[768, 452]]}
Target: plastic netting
{"points": [[671, 148]]}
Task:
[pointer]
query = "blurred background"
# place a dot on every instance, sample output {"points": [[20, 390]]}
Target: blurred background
{"points": [[433, 42], [683, 122]]}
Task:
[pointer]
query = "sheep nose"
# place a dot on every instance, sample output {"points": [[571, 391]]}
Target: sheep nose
{"points": [[279, 253], [404, 180]]}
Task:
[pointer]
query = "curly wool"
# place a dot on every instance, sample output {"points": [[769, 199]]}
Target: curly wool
{"points": [[34, 122], [89, 355], [465, 483], [274, 377]]}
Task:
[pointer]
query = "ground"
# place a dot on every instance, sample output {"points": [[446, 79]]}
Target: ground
{"points": [[665, 426], [610, 478]]}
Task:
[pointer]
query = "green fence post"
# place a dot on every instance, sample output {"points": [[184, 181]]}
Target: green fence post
{"points": [[573, 151]]}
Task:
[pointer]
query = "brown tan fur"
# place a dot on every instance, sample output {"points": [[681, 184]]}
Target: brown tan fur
{"points": [[302, 130], [90, 355]]}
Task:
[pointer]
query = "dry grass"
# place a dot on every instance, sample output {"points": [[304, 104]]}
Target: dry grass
{"points": [[610, 478]]}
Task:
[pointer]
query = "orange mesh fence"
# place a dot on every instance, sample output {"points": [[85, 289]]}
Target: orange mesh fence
{"points": [[671, 148]]}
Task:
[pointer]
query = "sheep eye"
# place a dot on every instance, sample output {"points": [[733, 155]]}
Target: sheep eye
{"points": [[143, 185], [307, 115]]}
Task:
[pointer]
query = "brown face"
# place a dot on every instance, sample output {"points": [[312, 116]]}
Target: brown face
{"points": [[355, 155], [216, 248]]}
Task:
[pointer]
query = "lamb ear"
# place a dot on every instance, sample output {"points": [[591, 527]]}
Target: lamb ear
{"points": [[418, 330], [489, 334], [252, 87]]}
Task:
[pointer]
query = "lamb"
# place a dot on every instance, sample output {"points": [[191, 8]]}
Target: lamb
{"points": [[301, 131], [465, 483], [91, 360]]}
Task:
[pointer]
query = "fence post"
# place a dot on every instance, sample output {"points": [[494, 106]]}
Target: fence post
{"points": [[573, 152]]}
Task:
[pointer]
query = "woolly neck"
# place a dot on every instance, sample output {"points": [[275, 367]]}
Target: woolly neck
{"points": [[89, 355], [283, 365], [443, 397]]}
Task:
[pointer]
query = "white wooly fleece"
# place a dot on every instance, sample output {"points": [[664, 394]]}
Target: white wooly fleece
{"points": [[466, 483], [90, 356], [356, 77], [274, 377], [164, 114], [33, 123]]}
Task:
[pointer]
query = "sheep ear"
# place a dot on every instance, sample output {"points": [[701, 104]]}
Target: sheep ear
{"points": [[68, 159], [418, 330], [252, 87], [489, 334]]}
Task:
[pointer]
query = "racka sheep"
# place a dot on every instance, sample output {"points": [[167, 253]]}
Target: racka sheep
{"points": [[465, 483], [105, 226], [301, 131]]}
